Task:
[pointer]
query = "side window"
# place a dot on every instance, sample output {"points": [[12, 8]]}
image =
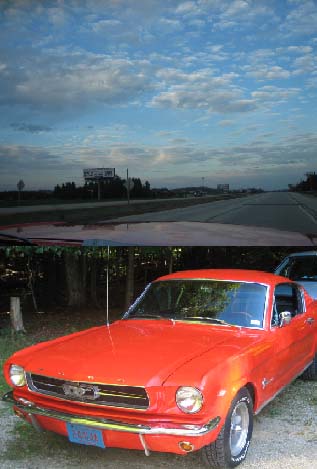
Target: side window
{"points": [[287, 297]]}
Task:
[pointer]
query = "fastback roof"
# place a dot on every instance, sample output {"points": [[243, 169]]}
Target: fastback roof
{"points": [[228, 274]]}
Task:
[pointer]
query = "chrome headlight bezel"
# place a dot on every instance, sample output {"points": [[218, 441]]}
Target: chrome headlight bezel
{"points": [[189, 399], [17, 375]]}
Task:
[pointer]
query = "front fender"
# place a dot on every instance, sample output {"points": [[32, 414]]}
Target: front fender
{"points": [[219, 381]]}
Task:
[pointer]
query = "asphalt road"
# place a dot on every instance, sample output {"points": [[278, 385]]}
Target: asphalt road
{"points": [[280, 210]]}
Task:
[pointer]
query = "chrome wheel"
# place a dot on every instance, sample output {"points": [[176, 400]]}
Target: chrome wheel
{"points": [[239, 428], [232, 444]]}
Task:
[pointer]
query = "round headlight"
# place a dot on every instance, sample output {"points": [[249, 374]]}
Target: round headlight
{"points": [[17, 375], [188, 399]]}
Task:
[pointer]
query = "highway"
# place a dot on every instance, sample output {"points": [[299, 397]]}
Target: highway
{"points": [[280, 210]]}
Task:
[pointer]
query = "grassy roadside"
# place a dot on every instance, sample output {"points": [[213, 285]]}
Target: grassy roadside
{"points": [[8, 345], [93, 215], [27, 203]]}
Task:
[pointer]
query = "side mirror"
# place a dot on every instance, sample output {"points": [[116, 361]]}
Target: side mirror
{"points": [[284, 318]]}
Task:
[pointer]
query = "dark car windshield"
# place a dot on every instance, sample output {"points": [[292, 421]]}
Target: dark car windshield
{"points": [[210, 301], [301, 268]]}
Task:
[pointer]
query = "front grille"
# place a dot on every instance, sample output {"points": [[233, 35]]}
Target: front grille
{"points": [[93, 393]]}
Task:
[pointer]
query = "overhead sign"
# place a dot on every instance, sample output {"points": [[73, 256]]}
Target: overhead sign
{"points": [[223, 187], [99, 173]]}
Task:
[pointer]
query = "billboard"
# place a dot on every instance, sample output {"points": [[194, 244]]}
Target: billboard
{"points": [[94, 174], [223, 187]]}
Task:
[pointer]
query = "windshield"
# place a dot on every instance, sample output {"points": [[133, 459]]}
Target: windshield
{"points": [[223, 302], [301, 268]]}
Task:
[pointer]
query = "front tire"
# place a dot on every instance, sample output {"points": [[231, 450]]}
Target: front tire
{"points": [[232, 444]]}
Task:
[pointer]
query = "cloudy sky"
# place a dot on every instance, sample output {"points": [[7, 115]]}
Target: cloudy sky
{"points": [[176, 91]]}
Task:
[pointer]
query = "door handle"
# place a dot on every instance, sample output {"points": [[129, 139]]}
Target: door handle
{"points": [[310, 320]]}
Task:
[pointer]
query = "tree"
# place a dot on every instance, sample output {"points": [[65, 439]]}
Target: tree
{"points": [[130, 278], [147, 188], [75, 270]]}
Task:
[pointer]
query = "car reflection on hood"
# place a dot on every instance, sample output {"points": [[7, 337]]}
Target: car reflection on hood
{"points": [[150, 234]]}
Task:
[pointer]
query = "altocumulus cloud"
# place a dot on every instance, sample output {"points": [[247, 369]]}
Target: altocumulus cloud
{"points": [[29, 158], [202, 90], [59, 80]]}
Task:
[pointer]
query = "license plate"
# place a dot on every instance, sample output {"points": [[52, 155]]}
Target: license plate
{"points": [[85, 435]]}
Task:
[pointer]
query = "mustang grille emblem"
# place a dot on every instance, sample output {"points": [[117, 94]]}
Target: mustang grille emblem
{"points": [[81, 392]]}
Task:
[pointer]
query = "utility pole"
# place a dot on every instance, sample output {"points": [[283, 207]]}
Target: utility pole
{"points": [[128, 186]]}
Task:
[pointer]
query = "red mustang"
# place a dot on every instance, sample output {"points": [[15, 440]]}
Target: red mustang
{"points": [[185, 369]]}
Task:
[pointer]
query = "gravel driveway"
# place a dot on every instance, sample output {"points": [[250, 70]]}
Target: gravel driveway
{"points": [[285, 436]]}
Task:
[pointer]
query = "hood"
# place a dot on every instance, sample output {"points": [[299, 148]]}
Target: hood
{"points": [[151, 234], [131, 352]]}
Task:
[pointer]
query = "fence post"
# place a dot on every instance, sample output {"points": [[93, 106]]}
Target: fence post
{"points": [[16, 314]]}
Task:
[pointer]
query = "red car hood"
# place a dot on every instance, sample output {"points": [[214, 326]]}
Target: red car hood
{"points": [[152, 234], [132, 352]]}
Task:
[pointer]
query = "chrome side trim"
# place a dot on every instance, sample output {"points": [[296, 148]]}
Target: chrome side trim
{"points": [[282, 389], [106, 424]]}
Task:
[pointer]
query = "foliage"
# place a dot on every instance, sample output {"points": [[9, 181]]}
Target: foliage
{"points": [[309, 184], [110, 189], [44, 277]]}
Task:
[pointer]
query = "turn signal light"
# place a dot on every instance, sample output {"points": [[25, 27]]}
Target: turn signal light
{"points": [[19, 413], [186, 446]]}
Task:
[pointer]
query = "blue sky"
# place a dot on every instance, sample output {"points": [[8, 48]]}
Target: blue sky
{"points": [[174, 90]]}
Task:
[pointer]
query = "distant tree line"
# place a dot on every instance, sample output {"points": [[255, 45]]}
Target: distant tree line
{"points": [[111, 189], [309, 184]]}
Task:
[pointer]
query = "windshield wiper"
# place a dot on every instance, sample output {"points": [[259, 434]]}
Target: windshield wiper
{"points": [[206, 318], [145, 316]]}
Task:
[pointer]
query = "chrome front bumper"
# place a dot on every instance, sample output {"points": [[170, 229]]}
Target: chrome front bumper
{"points": [[31, 409]]}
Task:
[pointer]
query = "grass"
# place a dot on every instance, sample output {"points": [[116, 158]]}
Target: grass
{"points": [[8, 345], [27, 442], [26, 203], [96, 214]]}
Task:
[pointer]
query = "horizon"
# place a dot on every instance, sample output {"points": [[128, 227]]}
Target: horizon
{"points": [[216, 90], [191, 187]]}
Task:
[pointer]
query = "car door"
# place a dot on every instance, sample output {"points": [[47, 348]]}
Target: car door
{"points": [[293, 343]]}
